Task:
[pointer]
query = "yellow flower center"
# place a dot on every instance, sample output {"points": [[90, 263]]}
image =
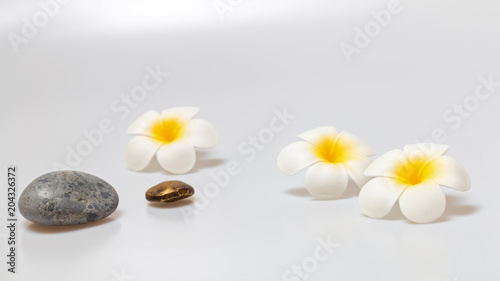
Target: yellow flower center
{"points": [[415, 172], [335, 151], [168, 130]]}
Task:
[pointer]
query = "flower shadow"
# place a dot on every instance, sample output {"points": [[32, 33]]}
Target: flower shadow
{"points": [[203, 161], [456, 208], [352, 190], [299, 192], [40, 228], [395, 213]]}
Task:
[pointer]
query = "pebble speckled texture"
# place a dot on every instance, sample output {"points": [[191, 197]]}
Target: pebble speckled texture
{"points": [[169, 191], [67, 198]]}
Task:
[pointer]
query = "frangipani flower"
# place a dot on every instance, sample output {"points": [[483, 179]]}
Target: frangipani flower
{"points": [[413, 176], [332, 158], [171, 136]]}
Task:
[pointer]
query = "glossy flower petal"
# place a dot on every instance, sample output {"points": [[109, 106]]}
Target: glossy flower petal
{"points": [[326, 180], [386, 165], [414, 152], [314, 136], [378, 196], [355, 144], [177, 157], [144, 124], [295, 157], [355, 169], [423, 203], [139, 152], [450, 173], [201, 133]]}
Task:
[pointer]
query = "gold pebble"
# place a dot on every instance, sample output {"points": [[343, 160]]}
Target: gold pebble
{"points": [[169, 191]]}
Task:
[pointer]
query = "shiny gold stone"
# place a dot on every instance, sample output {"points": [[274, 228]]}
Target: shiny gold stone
{"points": [[169, 191]]}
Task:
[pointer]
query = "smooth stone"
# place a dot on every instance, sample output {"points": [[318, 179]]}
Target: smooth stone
{"points": [[169, 191], [67, 198]]}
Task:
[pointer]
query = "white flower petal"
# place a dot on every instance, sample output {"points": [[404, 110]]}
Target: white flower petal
{"points": [[316, 135], [423, 203], [326, 180], [139, 152], [177, 157], [349, 139], [143, 124], [450, 173], [356, 170], [386, 165], [415, 152], [296, 156], [201, 133], [378, 196], [181, 112]]}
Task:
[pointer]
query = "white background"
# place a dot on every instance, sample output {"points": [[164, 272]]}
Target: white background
{"points": [[263, 56]]}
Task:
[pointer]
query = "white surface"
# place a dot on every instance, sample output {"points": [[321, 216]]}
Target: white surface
{"points": [[263, 56]]}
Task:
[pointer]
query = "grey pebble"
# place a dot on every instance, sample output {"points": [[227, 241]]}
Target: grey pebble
{"points": [[67, 198]]}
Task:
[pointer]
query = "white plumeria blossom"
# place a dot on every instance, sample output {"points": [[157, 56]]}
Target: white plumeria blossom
{"points": [[414, 176], [172, 136], [331, 158]]}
